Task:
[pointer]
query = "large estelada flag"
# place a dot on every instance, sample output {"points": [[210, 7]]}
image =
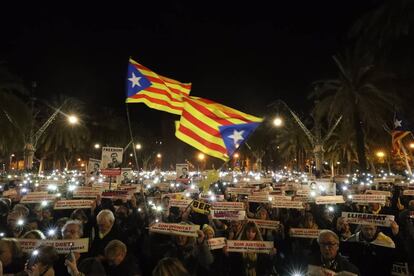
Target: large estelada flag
{"points": [[213, 128], [401, 129], [156, 91]]}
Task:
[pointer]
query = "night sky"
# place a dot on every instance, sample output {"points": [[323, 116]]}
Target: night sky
{"points": [[242, 55]]}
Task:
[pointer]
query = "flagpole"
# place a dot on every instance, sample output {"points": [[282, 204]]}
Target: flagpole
{"points": [[132, 138]]}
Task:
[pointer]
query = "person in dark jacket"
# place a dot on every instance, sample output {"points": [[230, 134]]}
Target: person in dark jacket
{"points": [[119, 262], [329, 257]]}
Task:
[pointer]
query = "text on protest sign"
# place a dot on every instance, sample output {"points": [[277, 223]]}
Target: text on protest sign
{"points": [[329, 199], [111, 157], [181, 203], [368, 219], [249, 246], [304, 233], [230, 206], [377, 192], [399, 269], [228, 215], [61, 246], [266, 224], [240, 191], [200, 207], [288, 204], [216, 243], [73, 204], [86, 192], [364, 198], [175, 229], [408, 192], [115, 194], [37, 198]]}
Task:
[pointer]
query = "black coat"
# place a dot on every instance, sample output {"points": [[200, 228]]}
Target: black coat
{"points": [[98, 244], [340, 264], [128, 267]]}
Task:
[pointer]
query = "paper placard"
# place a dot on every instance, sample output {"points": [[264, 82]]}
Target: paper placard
{"points": [[304, 233], [239, 191], [116, 194], [259, 198], [369, 198], [181, 203], [228, 215], [303, 192], [200, 207], [73, 204], [288, 204], [216, 243], [376, 192], [229, 206], [61, 246], [47, 182], [37, 198], [408, 192], [86, 192], [175, 229], [260, 193], [329, 199], [368, 219], [400, 269], [266, 224], [134, 189], [249, 246], [173, 195]]}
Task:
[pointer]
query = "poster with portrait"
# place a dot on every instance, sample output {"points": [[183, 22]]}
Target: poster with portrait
{"points": [[125, 177], [111, 158], [182, 171], [94, 167]]}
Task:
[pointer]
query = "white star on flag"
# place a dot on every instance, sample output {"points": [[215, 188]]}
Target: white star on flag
{"points": [[236, 136], [134, 80], [397, 123]]}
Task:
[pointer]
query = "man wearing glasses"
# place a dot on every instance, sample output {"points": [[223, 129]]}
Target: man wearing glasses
{"points": [[329, 260]]}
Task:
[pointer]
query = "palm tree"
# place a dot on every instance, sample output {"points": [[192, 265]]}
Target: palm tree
{"points": [[61, 139], [356, 95]]}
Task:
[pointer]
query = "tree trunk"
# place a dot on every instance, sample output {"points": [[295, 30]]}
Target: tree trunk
{"points": [[360, 143], [28, 156]]}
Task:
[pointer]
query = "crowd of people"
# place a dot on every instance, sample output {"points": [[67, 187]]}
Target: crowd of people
{"points": [[121, 243]]}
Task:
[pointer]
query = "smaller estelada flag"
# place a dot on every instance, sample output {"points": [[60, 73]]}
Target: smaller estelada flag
{"points": [[401, 129]]}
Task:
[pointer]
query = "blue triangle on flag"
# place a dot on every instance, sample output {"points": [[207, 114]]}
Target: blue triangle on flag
{"points": [[400, 123], [235, 135], [135, 81]]}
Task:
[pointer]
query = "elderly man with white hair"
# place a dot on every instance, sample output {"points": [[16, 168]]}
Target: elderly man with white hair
{"points": [[329, 258], [105, 231]]}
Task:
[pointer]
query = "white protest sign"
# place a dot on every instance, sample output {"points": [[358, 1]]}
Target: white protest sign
{"points": [[86, 192], [126, 176], [364, 198], [61, 246], [182, 171], [36, 197], [94, 166], [111, 157], [216, 243], [227, 205], [181, 203], [47, 182], [240, 191], [304, 233], [228, 215], [368, 219], [288, 204], [73, 204], [376, 192], [303, 192], [259, 198], [266, 224], [175, 229], [400, 269], [249, 246], [408, 192], [329, 199], [116, 194]]}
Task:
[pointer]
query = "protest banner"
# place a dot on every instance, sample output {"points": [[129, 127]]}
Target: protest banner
{"points": [[408, 192], [73, 204], [240, 191], [111, 158], [111, 172], [368, 219], [364, 198], [86, 192], [47, 182], [200, 207], [259, 198], [208, 197], [133, 189], [266, 224], [228, 214], [116, 194], [125, 177], [182, 171], [376, 192], [400, 269], [104, 185], [329, 199], [181, 203], [94, 166], [230, 206], [174, 195], [61, 246], [37, 197], [249, 246], [304, 233], [303, 192], [260, 193], [175, 229], [216, 243], [287, 204]]}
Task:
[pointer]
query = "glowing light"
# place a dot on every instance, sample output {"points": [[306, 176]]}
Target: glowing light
{"points": [[330, 209], [139, 209], [138, 146], [1, 234], [44, 203], [51, 232], [187, 194], [73, 120], [97, 146], [278, 122], [236, 155], [380, 154], [159, 155], [20, 222], [35, 252], [350, 196]]}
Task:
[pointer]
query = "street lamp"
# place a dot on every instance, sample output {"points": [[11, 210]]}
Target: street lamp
{"points": [[73, 120], [201, 156], [411, 145], [138, 146], [159, 155], [97, 146], [236, 155], [380, 154], [278, 122]]}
